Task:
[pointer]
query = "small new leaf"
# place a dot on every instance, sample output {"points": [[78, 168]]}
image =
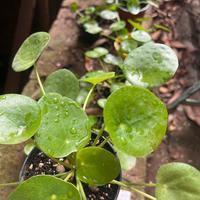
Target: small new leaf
{"points": [[96, 77]]}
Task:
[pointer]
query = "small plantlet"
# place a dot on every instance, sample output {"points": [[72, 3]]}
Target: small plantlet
{"points": [[134, 120]]}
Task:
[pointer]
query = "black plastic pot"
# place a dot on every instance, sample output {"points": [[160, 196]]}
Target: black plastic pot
{"points": [[34, 158]]}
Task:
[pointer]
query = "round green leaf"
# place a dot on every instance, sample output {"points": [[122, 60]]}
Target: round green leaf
{"points": [[65, 126], [108, 14], [30, 51], [113, 60], [20, 118], [45, 188], [96, 166], [136, 120], [63, 82], [97, 52], [150, 65], [96, 77], [128, 45], [92, 28], [141, 36], [119, 25], [177, 181]]}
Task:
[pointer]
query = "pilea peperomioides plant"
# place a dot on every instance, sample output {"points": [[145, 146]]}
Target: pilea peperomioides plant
{"points": [[134, 119]]}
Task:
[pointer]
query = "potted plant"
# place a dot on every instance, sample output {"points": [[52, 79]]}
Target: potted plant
{"points": [[135, 121]]}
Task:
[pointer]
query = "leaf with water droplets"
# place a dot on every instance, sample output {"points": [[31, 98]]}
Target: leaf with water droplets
{"points": [[96, 166], [20, 118], [150, 65], [135, 119], [30, 51], [63, 82], [45, 188], [96, 77], [64, 128]]}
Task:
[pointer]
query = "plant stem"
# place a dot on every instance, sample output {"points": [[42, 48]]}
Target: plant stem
{"points": [[133, 189], [9, 184], [69, 175], [39, 80], [88, 96], [104, 142], [141, 184], [80, 188], [98, 135]]}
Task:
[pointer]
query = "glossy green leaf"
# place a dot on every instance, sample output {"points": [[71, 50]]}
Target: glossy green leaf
{"points": [[150, 65], [65, 126], [45, 188], [63, 82], [127, 162], [28, 148], [135, 119], [141, 36], [96, 166], [178, 181], [96, 77], [30, 51], [119, 25], [20, 118], [108, 14], [97, 52], [128, 45], [113, 60], [92, 27]]}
